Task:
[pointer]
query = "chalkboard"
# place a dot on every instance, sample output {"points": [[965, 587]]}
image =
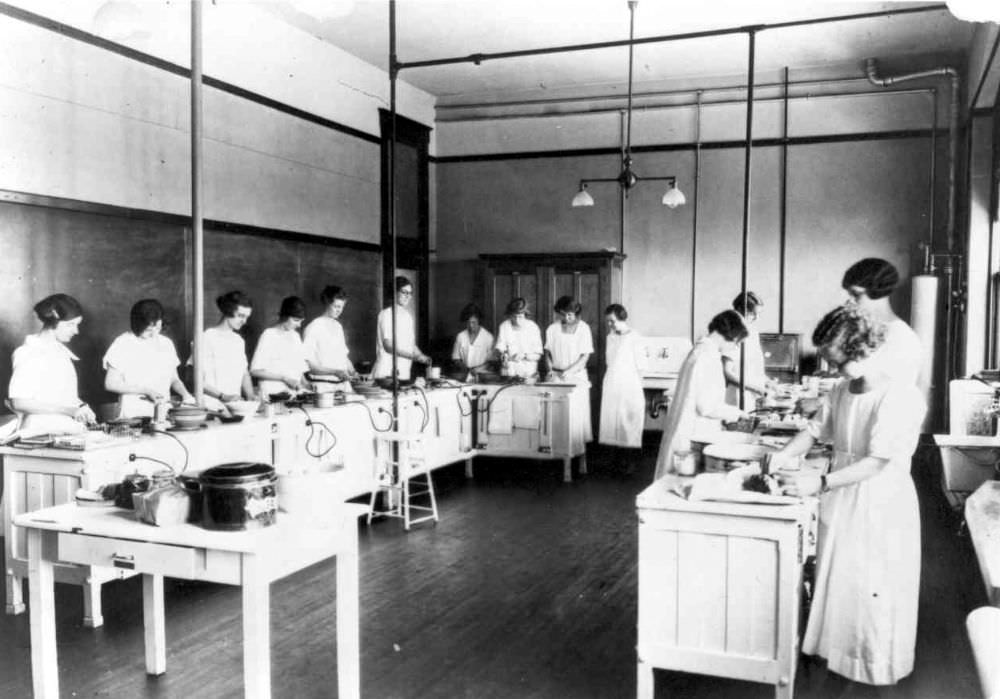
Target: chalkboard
{"points": [[108, 262]]}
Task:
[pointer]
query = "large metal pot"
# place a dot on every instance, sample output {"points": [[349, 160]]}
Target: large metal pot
{"points": [[238, 496]]}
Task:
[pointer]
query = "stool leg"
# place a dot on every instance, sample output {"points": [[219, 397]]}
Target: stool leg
{"points": [[430, 491]]}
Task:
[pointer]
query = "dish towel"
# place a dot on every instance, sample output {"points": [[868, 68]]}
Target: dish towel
{"points": [[527, 412], [501, 416]]}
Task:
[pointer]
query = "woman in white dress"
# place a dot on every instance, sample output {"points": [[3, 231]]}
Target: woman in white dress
{"points": [[699, 403], [519, 341], [473, 345], [569, 343], [623, 404], [405, 347], [863, 618], [755, 381], [141, 365], [43, 385], [869, 283], [279, 362], [224, 357], [325, 342]]}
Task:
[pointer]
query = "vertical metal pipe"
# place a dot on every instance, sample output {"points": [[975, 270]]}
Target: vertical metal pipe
{"points": [[932, 189], [748, 153], [694, 215], [393, 74], [783, 216], [622, 218], [197, 224]]}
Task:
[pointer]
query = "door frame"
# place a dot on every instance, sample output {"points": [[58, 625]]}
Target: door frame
{"points": [[411, 253]]}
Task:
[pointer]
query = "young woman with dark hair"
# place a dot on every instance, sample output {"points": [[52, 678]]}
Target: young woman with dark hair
{"points": [[141, 365], [325, 342], [863, 616], [43, 385], [699, 403], [225, 366], [519, 341], [279, 361], [474, 344]]}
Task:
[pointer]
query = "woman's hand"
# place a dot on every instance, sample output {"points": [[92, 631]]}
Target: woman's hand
{"points": [[229, 397], [153, 395], [800, 484], [293, 382], [85, 415], [423, 358]]}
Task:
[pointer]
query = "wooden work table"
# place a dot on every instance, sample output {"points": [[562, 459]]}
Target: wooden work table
{"points": [[342, 440], [720, 587], [252, 560]]}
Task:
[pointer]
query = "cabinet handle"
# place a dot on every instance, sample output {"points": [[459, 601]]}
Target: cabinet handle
{"points": [[123, 561]]}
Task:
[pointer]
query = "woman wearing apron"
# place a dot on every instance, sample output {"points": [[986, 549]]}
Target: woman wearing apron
{"points": [[863, 618], [623, 404], [568, 345]]}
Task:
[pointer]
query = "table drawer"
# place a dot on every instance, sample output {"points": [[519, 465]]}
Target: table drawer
{"points": [[162, 559]]}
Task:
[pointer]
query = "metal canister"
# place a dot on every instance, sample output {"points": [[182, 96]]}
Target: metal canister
{"points": [[160, 412]]}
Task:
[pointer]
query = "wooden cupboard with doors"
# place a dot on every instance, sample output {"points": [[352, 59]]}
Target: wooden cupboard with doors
{"points": [[593, 278]]}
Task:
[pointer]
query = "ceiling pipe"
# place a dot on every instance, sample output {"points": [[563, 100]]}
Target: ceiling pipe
{"points": [[676, 105], [871, 69], [478, 58]]}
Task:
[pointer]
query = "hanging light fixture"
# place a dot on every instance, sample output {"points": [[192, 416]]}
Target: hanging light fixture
{"points": [[627, 178]]}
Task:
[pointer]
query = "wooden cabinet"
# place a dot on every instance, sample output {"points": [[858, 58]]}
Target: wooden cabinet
{"points": [[719, 587], [593, 278]]}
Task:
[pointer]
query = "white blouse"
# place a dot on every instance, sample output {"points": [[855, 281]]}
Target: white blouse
{"points": [[150, 362], [225, 360], [325, 344], [279, 351], [566, 348], [406, 341], [473, 353], [524, 339], [43, 371]]}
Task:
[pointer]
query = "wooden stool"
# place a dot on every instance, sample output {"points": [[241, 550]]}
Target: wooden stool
{"points": [[399, 458]]}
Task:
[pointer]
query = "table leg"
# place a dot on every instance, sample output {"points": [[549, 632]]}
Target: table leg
{"points": [[256, 630], [568, 469], [93, 615], [15, 594], [644, 681], [468, 468], [41, 596], [154, 624], [583, 464], [348, 622]]}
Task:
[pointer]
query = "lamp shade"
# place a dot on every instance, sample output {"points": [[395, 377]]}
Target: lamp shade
{"points": [[583, 198], [674, 197]]}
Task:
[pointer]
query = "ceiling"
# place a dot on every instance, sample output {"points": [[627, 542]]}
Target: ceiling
{"points": [[432, 29]]}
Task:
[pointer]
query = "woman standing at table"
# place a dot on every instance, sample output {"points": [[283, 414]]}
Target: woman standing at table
{"points": [[863, 617], [568, 345], [869, 283], [226, 372], [43, 385], [623, 404], [279, 362], [699, 402], [405, 346], [141, 365], [324, 339], [473, 345], [519, 341]]}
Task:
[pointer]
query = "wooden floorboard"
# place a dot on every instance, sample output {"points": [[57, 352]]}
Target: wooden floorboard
{"points": [[525, 589]]}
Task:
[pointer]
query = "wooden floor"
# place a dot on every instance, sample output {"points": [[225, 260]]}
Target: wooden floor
{"points": [[525, 589]]}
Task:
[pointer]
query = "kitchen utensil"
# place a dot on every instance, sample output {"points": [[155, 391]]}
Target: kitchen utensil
{"points": [[238, 496], [243, 408], [188, 416]]}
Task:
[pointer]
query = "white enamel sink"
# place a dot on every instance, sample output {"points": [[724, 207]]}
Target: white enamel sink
{"points": [[967, 461]]}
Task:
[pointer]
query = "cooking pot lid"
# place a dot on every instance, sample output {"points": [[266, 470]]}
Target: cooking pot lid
{"points": [[236, 473]]}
